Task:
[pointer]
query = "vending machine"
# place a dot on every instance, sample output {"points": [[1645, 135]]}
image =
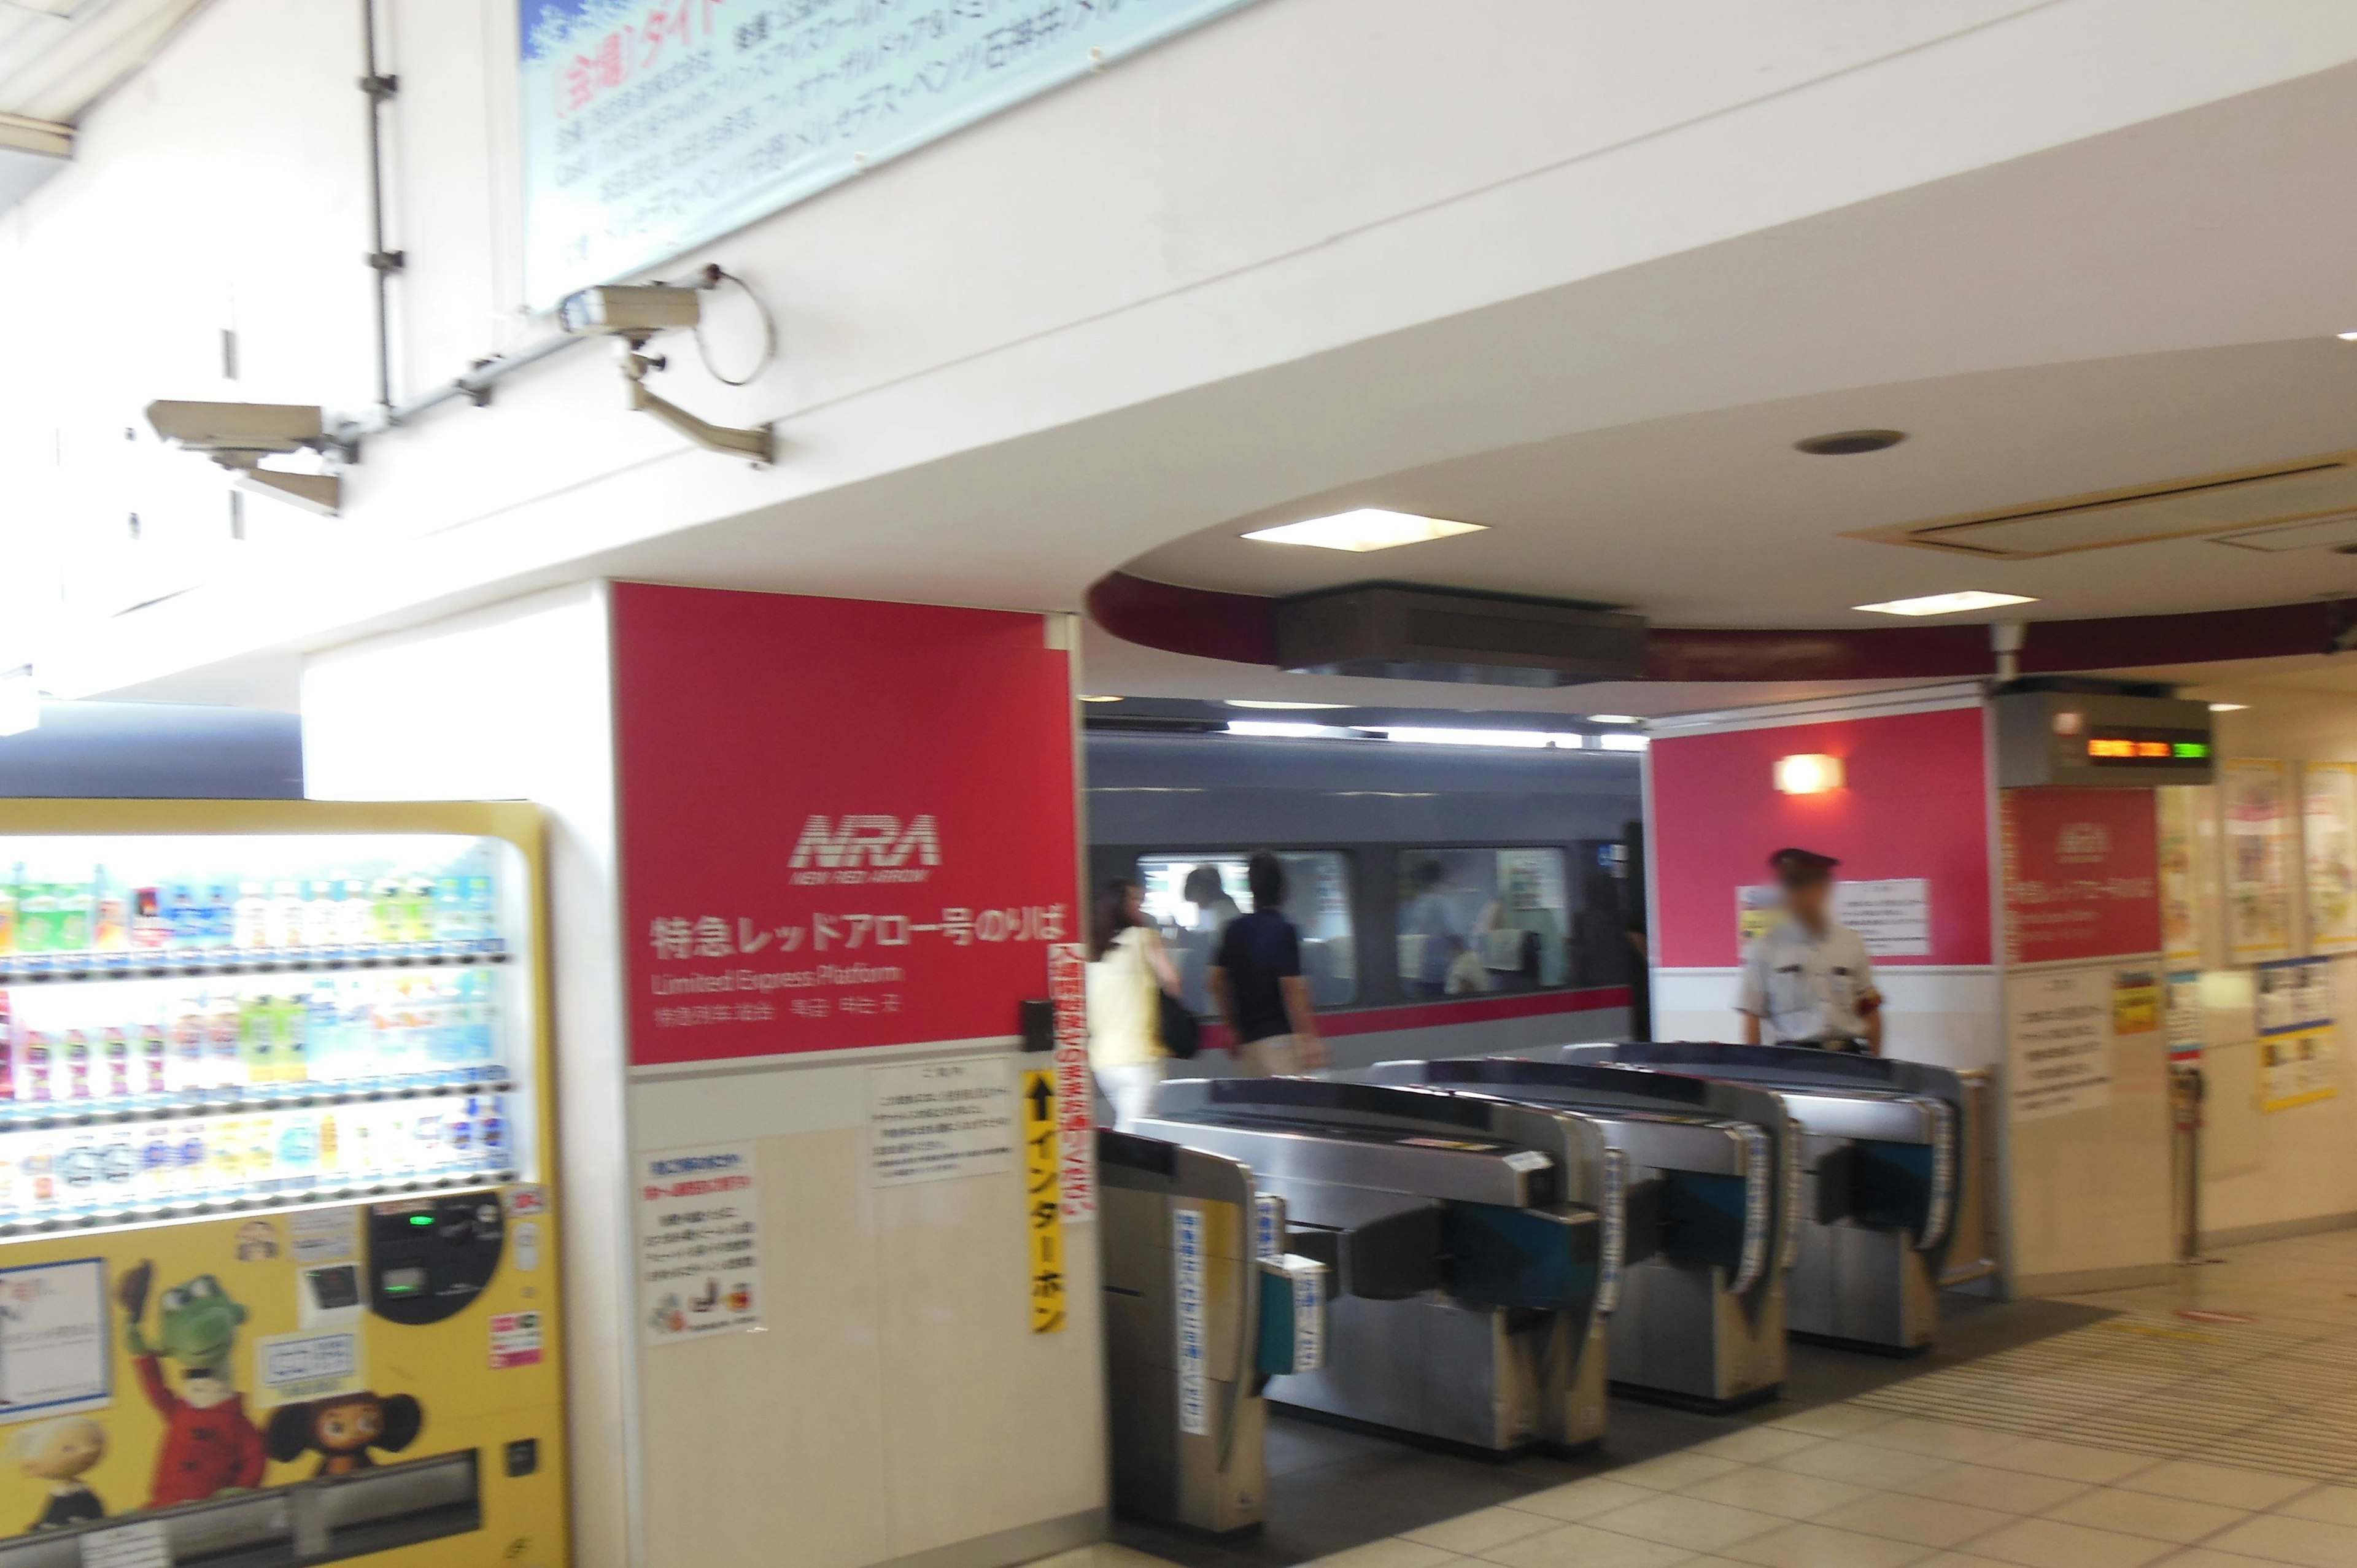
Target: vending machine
{"points": [[278, 1270]]}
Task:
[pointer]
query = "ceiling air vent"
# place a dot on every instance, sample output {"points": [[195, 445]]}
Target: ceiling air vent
{"points": [[2232, 503], [1426, 634]]}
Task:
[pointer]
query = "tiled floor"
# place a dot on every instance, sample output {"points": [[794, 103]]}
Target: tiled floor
{"points": [[2144, 1438]]}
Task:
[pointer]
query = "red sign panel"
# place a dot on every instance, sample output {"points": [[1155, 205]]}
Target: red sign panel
{"points": [[2081, 874], [842, 824]]}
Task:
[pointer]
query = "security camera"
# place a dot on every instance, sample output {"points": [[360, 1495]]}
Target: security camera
{"points": [[239, 435], [629, 310], [243, 429]]}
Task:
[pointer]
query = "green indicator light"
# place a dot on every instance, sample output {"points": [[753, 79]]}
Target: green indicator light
{"points": [[2195, 749], [420, 1220]]}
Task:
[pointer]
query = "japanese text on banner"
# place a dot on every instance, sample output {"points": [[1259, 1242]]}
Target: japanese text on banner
{"points": [[1043, 1215], [1067, 991]]}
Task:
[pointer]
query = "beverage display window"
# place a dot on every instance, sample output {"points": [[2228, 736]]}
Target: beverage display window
{"points": [[199, 1023]]}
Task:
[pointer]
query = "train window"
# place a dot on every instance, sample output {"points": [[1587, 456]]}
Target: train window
{"points": [[1192, 897], [1472, 921]]}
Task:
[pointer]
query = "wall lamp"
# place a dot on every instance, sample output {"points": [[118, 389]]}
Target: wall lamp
{"points": [[1808, 773]]}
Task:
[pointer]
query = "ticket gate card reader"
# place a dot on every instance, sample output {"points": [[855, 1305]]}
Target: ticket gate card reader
{"points": [[1200, 1311], [1709, 1168], [1882, 1179], [1473, 1247]]}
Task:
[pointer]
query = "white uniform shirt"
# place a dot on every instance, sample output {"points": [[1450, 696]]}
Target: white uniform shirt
{"points": [[1804, 987]]}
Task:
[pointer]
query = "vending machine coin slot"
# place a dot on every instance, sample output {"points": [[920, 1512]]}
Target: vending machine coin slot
{"points": [[429, 1258]]}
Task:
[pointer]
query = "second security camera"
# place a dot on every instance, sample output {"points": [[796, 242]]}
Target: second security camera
{"points": [[629, 310]]}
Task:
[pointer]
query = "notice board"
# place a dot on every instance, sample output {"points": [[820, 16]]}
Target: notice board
{"points": [[652, 126], [844, 824]]}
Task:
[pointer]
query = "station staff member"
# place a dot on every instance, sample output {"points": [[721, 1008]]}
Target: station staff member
{"points": [[1806, 981]]}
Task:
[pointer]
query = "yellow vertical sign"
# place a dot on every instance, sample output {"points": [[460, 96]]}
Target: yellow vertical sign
{"points": [[1043, 1199]]}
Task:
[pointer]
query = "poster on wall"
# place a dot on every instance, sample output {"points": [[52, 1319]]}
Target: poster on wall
{"points": [[699, 1228], [2328, 845], [2183, 1011], [652, 126], [844, 824], [2178, 807], [2081, 874], [1892, 915], [2299, 1052], [2059, 1039], [2258, 872]]}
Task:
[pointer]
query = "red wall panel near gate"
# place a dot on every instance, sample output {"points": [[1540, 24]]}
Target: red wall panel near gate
{"points": [[2081, 874], [1914, 804], [842, 824]]}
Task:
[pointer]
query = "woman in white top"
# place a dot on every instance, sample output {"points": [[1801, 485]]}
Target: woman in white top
{"points": [[1128, 972]]}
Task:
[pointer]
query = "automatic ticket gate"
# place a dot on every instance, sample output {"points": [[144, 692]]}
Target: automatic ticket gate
{"points": [[1474, 1244], [1710, 1168], [1202, 1309], [1880, 1141]]}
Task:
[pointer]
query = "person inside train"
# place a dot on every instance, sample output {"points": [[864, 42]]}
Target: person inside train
{"points": [[1599, 933], [1432, 935], [1521, 935], [1209, 894], [1257, 984], [1807, 980], [1128, 974]]}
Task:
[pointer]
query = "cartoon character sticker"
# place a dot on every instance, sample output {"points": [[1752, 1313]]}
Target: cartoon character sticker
{"points": [[257, 1241], [343, 1428], [209, 1445], [62, 1453]]}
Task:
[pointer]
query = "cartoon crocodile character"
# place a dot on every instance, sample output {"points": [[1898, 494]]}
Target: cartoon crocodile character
{"points": [[209, 1445]]}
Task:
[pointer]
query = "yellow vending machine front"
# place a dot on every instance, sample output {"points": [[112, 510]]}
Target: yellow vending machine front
{"points": [[278, 1272]]}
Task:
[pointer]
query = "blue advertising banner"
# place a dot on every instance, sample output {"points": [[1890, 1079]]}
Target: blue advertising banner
{"points": [[652, 126]]}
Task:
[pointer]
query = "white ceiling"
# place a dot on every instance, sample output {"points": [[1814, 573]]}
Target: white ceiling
{"points": [[1714, 520], [58, 56], [2133, 306]]}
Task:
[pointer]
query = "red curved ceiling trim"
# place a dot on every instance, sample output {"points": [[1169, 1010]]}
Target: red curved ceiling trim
{"points": [[1241, 628]]}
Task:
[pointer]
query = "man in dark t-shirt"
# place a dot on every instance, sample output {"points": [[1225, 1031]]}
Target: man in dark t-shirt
{"points": [[1255, 979]]}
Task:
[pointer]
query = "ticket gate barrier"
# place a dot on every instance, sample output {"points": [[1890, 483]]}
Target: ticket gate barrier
{"points": [[1475, 1247], [1202, 1309], [1882, 1141], [1710, 1169]]}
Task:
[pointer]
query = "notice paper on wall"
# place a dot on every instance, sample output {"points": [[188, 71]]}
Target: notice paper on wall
{"points": [[55, 1353], [940, 1121], [699, 1242], [1892, 917], [2329, 841], [2059, 1039], [2299, 1050]]}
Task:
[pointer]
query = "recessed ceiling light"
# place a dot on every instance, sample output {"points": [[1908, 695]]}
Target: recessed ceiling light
{"points": [[1086, 698], [1849, 442], [1612, 718], [1272, 702], [1272, 730], [2228, 707], [1523, 739], [2347, 336], [1369, 528], [1946, 604]]}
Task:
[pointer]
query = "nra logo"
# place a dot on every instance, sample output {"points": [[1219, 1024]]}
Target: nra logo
{"points": [[2082, 843], [866, 849]]}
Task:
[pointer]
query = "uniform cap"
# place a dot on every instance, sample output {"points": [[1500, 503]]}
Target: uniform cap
{"points": [[1804, 862]]}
